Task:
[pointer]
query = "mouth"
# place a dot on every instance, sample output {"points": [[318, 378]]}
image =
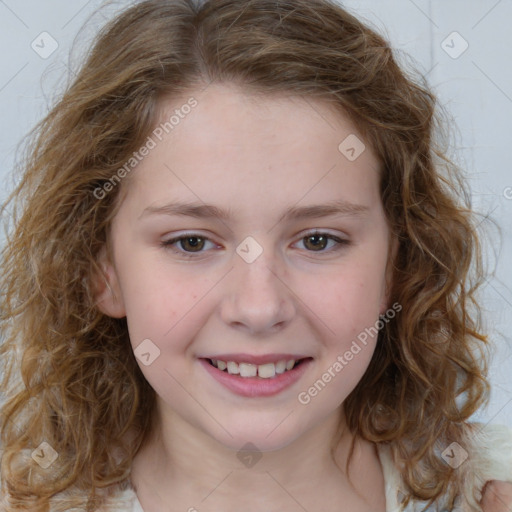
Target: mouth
{"points": [[259, 377], [263, 371]]}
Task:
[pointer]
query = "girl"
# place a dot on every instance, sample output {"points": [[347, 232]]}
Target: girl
{"points": [[242, 276]]}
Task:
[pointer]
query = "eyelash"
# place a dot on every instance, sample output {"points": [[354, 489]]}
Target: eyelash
{"points": [[168, 244]]}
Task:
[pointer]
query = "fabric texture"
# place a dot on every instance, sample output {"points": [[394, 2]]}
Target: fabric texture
{"points": [[489, 458], [487, 455]]}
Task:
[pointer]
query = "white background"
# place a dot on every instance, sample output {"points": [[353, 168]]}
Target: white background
{"points": [[475, 87]]}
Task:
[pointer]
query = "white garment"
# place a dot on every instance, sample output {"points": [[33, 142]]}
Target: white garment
{"points": [[490, 459]]}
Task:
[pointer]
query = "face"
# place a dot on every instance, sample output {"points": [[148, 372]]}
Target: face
{"points": [[249, 236]]}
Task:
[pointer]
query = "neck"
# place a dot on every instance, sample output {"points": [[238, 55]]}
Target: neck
{"points": [[184, 466]]}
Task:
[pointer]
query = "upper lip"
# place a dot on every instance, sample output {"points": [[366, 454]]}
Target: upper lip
{"points": [[254, 359]]}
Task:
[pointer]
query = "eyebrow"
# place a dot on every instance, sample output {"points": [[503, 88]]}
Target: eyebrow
{"points": [[204, 211]]}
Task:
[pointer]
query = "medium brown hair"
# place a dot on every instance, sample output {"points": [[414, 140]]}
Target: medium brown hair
{"points": [[70, 376]]}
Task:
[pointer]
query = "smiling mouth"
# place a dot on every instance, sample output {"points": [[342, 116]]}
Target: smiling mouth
{"points": [[263, 371]]}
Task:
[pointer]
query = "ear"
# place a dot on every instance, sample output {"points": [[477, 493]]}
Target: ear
{"points": [[107, 291], [392, 252]]}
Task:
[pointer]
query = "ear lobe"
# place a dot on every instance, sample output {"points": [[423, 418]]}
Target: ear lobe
{"points": [[107, 291]]}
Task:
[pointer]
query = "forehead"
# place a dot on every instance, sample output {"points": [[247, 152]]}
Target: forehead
{"points": [[241, 111], [236, 146]]}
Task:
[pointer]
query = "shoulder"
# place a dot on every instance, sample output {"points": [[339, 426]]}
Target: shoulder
{"points": [[490, 466], [120, 501], [484, 455], [124, 500], [491, 451]]}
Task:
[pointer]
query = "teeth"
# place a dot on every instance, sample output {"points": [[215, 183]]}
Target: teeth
{"points": [[264, 371], [233, 368], [267, 371], [281, 367], [248, 370]]}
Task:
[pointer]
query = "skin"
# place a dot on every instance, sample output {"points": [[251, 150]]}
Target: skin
{"points": [[257, 157], [497, 497]]}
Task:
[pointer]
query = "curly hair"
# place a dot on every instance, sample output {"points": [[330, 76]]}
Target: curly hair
{"points": [[70, 377]]}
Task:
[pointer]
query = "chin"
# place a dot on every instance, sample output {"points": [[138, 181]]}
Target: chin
{"points": [[259, 436]]}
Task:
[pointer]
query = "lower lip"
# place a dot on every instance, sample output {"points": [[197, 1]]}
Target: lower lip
{"points": [[256, 386]]}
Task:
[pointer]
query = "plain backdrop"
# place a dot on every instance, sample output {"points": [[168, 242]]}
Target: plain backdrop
{"points": [[463, 47]]}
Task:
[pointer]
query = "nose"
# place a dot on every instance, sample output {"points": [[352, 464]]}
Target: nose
{"points": [[257, 300]]}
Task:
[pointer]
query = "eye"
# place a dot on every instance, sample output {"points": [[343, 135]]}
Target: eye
{"points": [[189, 244], [318, 241]]}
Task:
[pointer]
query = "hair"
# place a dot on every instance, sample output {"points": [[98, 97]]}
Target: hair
{"points": [[70, 377]]}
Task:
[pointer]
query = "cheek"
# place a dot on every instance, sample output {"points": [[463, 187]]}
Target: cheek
{"points": [[158, 304], [163, 318], [350, 312], [347, 300]]}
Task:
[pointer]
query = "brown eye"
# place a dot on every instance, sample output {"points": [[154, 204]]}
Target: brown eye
{"points": [[192, 243], [323, 243], [187, 244], [316, 242]]}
